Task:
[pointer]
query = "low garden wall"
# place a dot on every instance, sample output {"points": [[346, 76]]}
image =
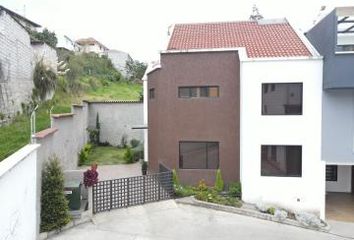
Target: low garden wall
{"points": [[19, 207]]}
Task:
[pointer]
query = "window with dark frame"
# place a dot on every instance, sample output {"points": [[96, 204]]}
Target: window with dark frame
{"points": [[281, 161], [151, 93], [332, 173], [283, 99], [198, 92], [198, 155]]}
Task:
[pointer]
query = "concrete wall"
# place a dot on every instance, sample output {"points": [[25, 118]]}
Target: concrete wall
{"points": [[344, 180], [308, 191], [47, 54], [117, 119], [66, 139], [16, 65], [338, 126], [18, 201]]}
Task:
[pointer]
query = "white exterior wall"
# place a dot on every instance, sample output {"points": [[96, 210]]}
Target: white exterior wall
{"points": [[18, 201], [16, 66], [117, 119], [297, 193], [343, 183], [47, 54], [119, 60], [338, 127]]}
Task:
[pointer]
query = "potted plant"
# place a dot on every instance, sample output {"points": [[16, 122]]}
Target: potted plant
{"points": [[144, 167]]}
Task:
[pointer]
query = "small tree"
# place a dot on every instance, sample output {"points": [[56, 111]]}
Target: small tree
{"points": [[54, 205], [219, 183]]}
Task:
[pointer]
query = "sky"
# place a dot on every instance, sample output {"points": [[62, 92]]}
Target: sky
{"points": [[140, 27]]}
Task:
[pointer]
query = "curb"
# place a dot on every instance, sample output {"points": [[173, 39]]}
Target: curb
{"points": [[73, 223], [246, 212]]}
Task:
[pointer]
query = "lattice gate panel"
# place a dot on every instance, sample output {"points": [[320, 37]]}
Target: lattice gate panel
{"points": [[125, 192]]}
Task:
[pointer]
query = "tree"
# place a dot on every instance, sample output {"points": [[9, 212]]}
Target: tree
{"points": [[135, 69], [45, 81], [54, 205], [46, 36]]}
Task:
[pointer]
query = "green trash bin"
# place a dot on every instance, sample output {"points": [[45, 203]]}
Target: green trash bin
{"points": [[72, 190]]}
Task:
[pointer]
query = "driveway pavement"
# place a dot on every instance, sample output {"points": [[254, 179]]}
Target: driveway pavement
{"points": [[169, 220]]}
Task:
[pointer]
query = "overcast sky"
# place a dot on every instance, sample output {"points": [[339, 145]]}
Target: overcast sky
{"points": [[140, 27]]}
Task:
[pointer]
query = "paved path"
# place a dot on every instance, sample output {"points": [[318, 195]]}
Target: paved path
{"points": [[168, 220], [117, 171]]}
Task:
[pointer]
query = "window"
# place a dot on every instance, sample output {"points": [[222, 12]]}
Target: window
{"points": [[200, 92], [332, 173], [281, 161], [152, 93], [345, 31], [199, 155], [283, 99]]}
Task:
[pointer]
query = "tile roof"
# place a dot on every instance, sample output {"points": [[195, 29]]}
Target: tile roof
{"points": [[277, 39]]}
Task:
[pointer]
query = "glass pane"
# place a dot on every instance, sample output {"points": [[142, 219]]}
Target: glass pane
{"points": [[183, 92], [152, 93], [281, 161], [193, 92], [204, 91], [213, 155], [193, 155], [213, 91], [284, 99]]}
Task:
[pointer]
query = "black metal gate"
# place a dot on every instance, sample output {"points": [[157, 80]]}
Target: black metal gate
{"points": [[125, 192]]}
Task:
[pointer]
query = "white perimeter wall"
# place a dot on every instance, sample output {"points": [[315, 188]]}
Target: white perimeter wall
{"points": [[343, 183], [18, 201], [301, 193]]}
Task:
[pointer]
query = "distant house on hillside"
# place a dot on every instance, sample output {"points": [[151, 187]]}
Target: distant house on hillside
{"points": [[91, 45], [19, 53], [119, 60], [64, 42]]}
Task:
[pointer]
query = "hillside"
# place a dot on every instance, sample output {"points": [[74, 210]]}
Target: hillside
{"points": [[90, 77]]}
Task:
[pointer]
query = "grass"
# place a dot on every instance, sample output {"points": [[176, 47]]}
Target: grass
{"points": [[17, 134], [106, 155]]}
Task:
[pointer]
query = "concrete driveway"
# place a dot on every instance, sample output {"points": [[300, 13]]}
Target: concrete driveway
{"points": [[169, 220]]}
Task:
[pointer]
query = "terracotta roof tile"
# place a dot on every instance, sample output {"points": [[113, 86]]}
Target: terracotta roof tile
{"points": [[260, 40]]}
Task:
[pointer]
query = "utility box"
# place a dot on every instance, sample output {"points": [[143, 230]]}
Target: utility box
{"points": [[72, 190]]}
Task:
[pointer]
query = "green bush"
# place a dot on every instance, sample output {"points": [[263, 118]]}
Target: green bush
{"points": [[271, 210], [175, 178], [45, 81], [235, 189], [138, 152], [134, 143], [128, 155], [184, 191], [84, 153], [54, 206], [219, 182]]}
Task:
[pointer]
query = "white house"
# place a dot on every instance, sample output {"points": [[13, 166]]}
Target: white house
{"points": [[91, 45]]}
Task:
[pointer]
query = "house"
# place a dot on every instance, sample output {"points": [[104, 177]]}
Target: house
{"points": [[67, 44], [91, 45], [243, 97], [333, 37], [119, 60]]}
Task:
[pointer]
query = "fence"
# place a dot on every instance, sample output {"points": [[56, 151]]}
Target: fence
{"points": [[126, 192]]}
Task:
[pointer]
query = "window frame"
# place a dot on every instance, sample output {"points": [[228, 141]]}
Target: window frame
{"points": [[335, 175], [279, 176], [277, 83], [198, 91], [180, 162], [151, 93]]}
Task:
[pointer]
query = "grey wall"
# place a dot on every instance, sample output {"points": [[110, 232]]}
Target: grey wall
{"points": [[338, 70], [338, 126], [117, 119]]}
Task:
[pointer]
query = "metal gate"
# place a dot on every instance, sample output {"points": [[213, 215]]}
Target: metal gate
{"points": [[125, 192]]}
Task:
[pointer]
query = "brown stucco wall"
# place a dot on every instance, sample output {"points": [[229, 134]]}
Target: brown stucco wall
{"points": [[172, 119]]}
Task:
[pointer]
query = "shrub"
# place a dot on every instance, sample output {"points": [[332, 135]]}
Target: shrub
{"points": [[93, 133], [184, 191], [91, 176], [84, 153], [123, 141], [54, 206], [271, 210], [128, 155], [235, 189], [202, 186], [134, 143], [45, 81], [175, 178], [138, 152], [219, 182]]}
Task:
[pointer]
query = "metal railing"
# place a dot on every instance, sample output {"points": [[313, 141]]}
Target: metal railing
{"points": [[131, 191]]}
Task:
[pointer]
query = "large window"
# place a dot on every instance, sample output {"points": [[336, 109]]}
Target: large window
{"points": [[152, 93], [281, 161], [332, 173], [198, 92], [281, 98], [199, 155]]}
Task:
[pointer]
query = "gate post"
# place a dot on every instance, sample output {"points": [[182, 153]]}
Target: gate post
{"points": [[90, 200]]}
